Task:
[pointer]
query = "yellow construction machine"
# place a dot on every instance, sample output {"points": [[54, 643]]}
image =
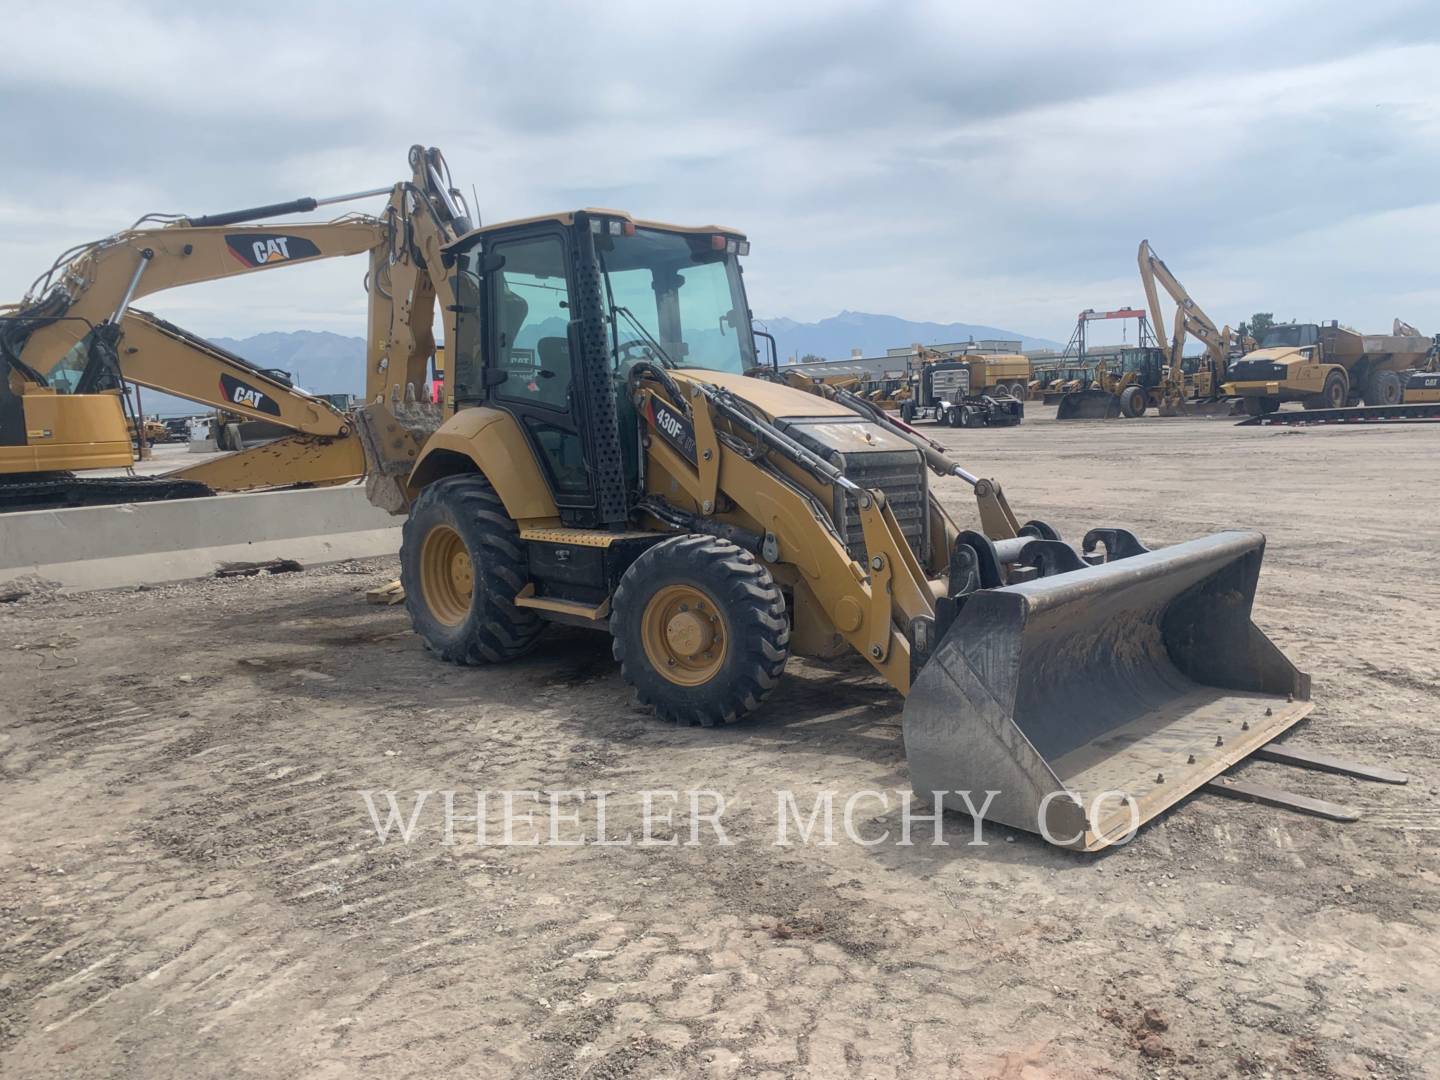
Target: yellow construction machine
{"points": [[1138, 378], [1328, 367], [620, 458], [69, 348]]}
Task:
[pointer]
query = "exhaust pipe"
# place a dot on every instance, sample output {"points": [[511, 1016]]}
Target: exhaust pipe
{"points": [[1091, 701]]}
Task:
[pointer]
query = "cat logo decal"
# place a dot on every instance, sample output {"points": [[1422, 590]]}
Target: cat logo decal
{"points": [[268, 249]]}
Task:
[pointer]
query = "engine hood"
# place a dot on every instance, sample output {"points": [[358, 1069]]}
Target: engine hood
{"points": [[1284, 354], [775, 400]]}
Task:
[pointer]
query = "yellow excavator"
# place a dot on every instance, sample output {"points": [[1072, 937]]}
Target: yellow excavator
{"points": [[620, 458], [69, 348], [1199, 393]]}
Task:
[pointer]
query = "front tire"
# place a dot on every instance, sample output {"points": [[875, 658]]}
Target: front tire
{"points": [[1133, 401], [462, 562], [700, 631], [1261, 406], [1336, 391]]}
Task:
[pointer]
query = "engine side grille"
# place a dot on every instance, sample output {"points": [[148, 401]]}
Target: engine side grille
{"points": [[900, 474]]}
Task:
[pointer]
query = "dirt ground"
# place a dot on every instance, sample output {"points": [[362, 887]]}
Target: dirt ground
{"points": [[191, 883]]}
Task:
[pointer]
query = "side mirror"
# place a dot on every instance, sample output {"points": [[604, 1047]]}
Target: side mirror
{"points": [[774, 351]]}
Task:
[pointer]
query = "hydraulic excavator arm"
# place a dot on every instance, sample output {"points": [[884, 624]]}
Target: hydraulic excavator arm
{"points": [[408, 277], [1189, 317], [78, 335], [88, 291], [76, 339]]}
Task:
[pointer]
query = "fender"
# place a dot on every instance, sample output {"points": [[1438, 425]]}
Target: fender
{"points": [[492, 436]]}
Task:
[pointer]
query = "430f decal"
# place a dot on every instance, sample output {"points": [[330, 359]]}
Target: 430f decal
{"points": [[676, 429]]}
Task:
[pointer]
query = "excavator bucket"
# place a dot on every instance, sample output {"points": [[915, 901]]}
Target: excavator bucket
{"points": [[1088, 405], [1090, 701]]}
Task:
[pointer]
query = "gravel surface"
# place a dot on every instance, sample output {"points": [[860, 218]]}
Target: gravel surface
{"points": [[191, 882]]}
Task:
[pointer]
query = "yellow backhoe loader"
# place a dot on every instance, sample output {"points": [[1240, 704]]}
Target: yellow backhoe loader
{"points": [[619, 458]]}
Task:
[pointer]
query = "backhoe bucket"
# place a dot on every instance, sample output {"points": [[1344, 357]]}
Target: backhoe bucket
{"points": [[1088, 405], [1090, 701]]}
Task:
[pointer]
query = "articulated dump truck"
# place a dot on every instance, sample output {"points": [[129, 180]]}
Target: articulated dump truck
{"points": [[629, 468]]}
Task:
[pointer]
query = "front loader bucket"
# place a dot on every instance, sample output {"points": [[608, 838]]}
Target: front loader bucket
{"points": [[1088, 405], [1137, 680]]}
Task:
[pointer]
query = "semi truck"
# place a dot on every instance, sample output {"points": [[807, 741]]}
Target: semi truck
{"points": [[942, 392]]}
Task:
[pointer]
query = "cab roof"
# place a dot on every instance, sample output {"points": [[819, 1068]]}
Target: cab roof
{"points": [[566, 218]]}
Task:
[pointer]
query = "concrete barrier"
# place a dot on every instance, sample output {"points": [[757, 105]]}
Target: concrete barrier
{"points": [[106, 547]]}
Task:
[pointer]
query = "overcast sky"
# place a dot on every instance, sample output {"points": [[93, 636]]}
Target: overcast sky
{"points": [[950, 162]]}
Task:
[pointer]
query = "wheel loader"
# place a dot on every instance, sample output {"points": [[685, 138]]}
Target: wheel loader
{"points": [[618, 457]]}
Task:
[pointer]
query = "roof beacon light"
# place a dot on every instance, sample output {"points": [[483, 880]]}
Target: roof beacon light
{"points": [[717, 242]]}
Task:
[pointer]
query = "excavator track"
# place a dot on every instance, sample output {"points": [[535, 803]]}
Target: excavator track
{"points": [[60, 491]]}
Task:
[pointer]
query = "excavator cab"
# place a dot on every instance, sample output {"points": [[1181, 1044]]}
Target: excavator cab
{"points": [[46, 432]]}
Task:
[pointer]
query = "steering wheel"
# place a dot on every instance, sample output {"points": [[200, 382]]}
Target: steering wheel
{"points": [[634, 345]]}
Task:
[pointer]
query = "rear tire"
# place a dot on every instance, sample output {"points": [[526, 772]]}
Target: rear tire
{"points": [[1017, 391], [1133, 401], [1383, 388], [461, 563], [700, 631], [953, 415]]}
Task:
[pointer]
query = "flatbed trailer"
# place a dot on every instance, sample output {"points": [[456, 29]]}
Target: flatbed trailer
{"points": [[1425, 412]]}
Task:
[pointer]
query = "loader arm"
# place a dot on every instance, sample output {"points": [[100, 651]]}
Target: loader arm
{"points": [[871, 606]]}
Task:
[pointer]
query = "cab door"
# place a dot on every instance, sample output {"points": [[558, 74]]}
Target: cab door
{"points": [[530, 303]]}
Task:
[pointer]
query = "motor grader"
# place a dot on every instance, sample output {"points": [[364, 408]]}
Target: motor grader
{"points": [[617, 457]]}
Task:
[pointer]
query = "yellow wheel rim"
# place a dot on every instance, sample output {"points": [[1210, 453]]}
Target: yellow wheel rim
{"points": [[684, 635], [447, 577]]}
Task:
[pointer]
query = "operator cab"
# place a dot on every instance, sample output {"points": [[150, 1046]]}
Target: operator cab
{"points": [[1148, 364], [554, 312], [1292, 336]]}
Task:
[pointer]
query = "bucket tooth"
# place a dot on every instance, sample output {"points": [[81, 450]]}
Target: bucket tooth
{"points": [[1137, 680]]}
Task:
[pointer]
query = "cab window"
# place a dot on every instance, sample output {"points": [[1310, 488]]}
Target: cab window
{"points": [[531, 319]]}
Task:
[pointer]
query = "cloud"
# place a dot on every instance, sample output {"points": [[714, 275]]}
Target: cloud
{"points": [[932, 160]]}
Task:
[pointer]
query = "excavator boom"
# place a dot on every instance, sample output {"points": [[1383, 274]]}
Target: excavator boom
{"points": [[76, 340]]}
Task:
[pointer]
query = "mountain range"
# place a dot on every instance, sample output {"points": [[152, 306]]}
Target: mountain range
{"points": [[835, 337], [326, 363]]}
